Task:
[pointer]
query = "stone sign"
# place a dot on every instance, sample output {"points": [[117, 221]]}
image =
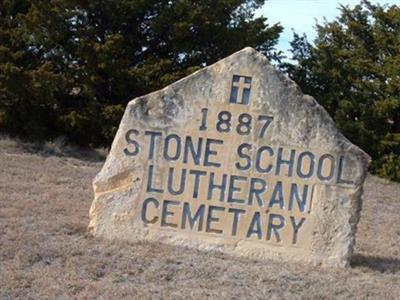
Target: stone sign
{"points": [[233, 158]]}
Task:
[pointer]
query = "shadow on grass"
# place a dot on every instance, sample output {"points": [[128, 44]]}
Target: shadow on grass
{"points": [[59, 147], [48, 149], [376, 263], [85, 154]]}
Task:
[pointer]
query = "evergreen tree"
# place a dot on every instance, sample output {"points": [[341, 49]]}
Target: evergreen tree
{"points": [[68, 67], [353, 70]]}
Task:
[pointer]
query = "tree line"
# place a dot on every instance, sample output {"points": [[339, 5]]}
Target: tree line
{"points": [[69, 67], [353, 70]]}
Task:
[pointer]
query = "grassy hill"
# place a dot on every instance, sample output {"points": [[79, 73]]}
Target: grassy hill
{"points": [[46, 253]]}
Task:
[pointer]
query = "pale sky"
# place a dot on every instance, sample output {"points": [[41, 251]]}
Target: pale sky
{"points": [[301, 15]]}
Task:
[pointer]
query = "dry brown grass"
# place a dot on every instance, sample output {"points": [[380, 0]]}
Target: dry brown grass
{"points": [[45, 252]]}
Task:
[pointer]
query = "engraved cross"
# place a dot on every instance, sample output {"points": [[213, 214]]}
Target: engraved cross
{"points": [[241, 85]]}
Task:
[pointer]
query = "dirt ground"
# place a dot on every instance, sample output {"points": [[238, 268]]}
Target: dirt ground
{"points": [[46, 253]]}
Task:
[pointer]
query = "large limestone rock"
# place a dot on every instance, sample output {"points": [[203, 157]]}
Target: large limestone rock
{"points": [[233, 158]]}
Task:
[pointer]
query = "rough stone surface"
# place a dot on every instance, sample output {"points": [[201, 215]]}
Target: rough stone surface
{"points": [[233, 158]]}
